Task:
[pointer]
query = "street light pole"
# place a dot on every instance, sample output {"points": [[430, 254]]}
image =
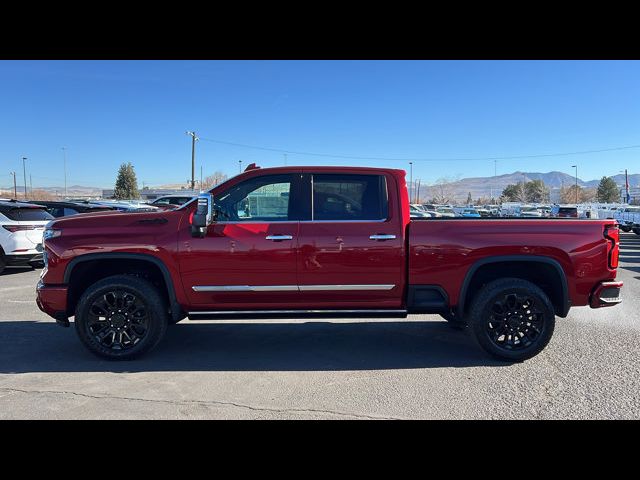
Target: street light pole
{"points": [[24, 172], [576, 167], [240, 165], [410, 181]]}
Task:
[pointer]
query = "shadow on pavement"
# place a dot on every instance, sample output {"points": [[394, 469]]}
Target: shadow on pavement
{"points": [[28, 346], [15, 270]]}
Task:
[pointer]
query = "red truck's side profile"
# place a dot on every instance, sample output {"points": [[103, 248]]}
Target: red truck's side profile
{"points": [[330, 241]]}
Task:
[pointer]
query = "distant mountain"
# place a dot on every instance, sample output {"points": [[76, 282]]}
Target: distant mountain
{"points": [[486, 186]]}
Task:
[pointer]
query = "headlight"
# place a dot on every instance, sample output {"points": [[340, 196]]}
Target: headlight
{"points": [[51, 233]]}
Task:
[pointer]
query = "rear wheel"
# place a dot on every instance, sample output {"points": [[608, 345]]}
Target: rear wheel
{"points": [[3, 262], [512, 319], [625, 228], [636, 231], [121, 317]]}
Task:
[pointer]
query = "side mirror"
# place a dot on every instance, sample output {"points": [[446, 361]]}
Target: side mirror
{"points": [[203, 216]]}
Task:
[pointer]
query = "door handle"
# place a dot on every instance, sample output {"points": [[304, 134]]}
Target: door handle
{"points": [[382, 236], [278, 238]]}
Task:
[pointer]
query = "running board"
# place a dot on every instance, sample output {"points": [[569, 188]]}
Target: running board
{"points": [[260, 314]]}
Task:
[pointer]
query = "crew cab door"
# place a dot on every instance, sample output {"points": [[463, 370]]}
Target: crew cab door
{"points": [[247, 260], [351, 249]]}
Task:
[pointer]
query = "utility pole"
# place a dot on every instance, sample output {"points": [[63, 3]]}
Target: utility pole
{"points": [[626, 184], [576, 167], [194, 138], [200, 177], [15, 189], [64, 153], [31, 184], [418, 193], [24, 172], [285, 159], [410, 181], [495, 175], [240, 165]]}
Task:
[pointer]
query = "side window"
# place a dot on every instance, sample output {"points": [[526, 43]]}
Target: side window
{"points": [[259, 199], [349, 197], [161, 201], [70, 211]]}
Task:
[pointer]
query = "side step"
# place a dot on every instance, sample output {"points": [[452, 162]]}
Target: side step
{"points": [[266, 314]]}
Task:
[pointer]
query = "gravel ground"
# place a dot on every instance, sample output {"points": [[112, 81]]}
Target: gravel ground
{"points": [[414, 368]]}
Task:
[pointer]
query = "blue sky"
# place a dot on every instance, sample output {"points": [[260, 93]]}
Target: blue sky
{"points": [[109, 112]]}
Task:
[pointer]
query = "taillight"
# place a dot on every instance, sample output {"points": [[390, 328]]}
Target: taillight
{"points": [[17, 228], [612, 233]]}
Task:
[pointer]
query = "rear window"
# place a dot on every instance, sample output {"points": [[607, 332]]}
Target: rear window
{"points": [[567, 210], [25, 214]]}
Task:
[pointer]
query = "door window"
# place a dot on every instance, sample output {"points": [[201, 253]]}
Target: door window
{"points": [[349, 197], [259, 199]]}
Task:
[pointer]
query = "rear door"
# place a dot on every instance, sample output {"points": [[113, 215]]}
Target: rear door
{"points": [[351, 250]]}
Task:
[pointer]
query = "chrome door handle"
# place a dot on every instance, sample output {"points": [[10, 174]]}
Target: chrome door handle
{"points": [[278, 238], [381, 236]]}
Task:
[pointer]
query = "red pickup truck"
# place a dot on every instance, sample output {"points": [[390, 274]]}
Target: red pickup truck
{"points": [[323, 241]]}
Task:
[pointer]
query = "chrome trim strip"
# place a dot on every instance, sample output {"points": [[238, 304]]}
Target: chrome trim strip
{"points": [[382, 237], [286, 288], [245, 288], [312, 288], [277, 238], [247, 312]]}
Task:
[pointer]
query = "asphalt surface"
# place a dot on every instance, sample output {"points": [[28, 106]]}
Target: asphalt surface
{"points": [[352, 369]]}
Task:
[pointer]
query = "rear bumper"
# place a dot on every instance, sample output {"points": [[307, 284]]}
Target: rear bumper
{"points": [[52, 300], [24, 260], [606, 294]]}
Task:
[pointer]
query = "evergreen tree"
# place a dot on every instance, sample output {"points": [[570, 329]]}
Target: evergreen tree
{"points": [[126, 183], [608, 191], [469, 200]]}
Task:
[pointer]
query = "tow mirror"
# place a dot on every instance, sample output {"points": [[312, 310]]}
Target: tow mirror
{"points": [[203, 216]]}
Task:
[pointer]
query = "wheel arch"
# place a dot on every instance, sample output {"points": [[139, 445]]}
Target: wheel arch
{"points": [[138, 258], [526, 267]]}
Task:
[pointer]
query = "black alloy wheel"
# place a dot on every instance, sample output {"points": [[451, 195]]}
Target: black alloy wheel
{"points": [[512, 319], [121, 317]]}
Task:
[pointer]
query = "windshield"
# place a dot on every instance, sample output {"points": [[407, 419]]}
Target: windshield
{"points": [[25, 214]]}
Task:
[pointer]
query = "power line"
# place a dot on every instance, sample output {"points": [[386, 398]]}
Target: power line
{"points": [[400, 159]]}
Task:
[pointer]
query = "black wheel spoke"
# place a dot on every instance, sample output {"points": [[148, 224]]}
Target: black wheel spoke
{"points": [[514, 321], [118, 319]]}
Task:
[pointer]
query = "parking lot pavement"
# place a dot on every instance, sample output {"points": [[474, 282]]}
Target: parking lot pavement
{"points": [[414, 368]]}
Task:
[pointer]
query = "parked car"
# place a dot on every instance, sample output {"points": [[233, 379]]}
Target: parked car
{"points": [[527, 211], [130, 206], [416, 212], [63, 209], [171, 202], [484, 212], [562, 211], [355, 251], [446, 212], [470, 213], [21, 228]]}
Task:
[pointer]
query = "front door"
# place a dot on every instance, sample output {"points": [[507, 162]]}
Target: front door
{"points": [[247, 260], [351, 251]]}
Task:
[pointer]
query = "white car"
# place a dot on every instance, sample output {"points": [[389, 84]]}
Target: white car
{"points": [[446, 212], [21, 229], [530, 212]]}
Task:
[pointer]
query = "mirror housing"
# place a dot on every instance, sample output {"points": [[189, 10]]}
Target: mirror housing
{"points": [[203, 216]]}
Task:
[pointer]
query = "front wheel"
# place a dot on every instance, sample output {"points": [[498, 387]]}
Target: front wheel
{"points": [[121, 317], [625, 229], [512, 319]]}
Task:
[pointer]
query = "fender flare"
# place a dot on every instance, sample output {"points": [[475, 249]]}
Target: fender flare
{"points": [[176, 310], [565, 302]]}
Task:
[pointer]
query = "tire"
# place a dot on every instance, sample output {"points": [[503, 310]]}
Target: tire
{"points": [[2, 262], [636, 231], [117, 306], [514, 299], [625, 229]]}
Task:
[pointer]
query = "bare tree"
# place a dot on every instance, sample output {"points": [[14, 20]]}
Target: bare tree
{"points": [[213, 180], [443, 191]]}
